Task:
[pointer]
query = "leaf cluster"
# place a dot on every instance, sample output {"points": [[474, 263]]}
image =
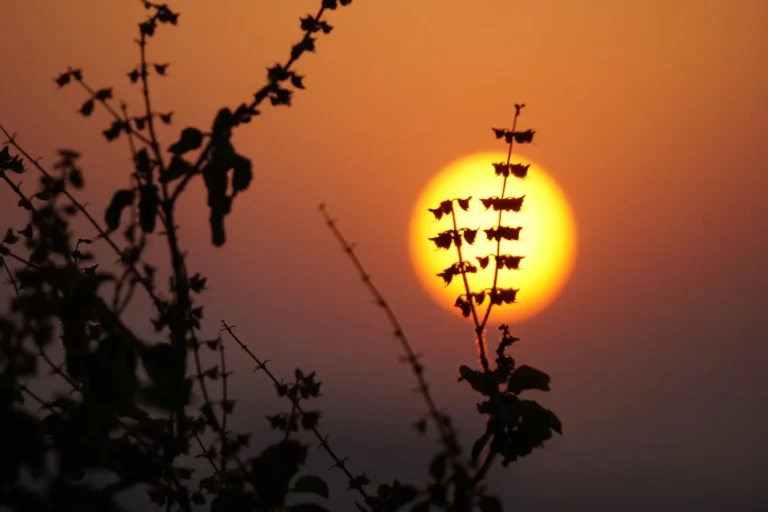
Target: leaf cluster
{"points": [[515, 426]]}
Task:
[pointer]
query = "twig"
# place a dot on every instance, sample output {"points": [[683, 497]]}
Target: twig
{"points": [[260, 96], [498, 224], [12, 280], [338, 462], [111, 110], [224, 414], [447, 435], [103, 234], [207, 456], [478, 327]]}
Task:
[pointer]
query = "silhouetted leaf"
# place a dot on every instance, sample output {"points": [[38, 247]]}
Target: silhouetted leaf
{"points": [[143, 163], [87, 108], [481, 382], [526, 377], [103, 94], [297, 81], [166, 118], [464, 306], [8, 163], [477, 447], [524, 137], [223, 122], [218, 235], [62, 79], [308, 23], [464, 203], [510, 262], [191, 139], [359, 482], [519, 170], [115, 129], [501, 296], [312, 484], [27, 231], [470, 235], [147, 28], [160, 68], [277, 73], [504, 232], [310, 419], [134, 76], [122, 199], [177, 168], [197, 283], [75, 177], [241, 174], [445, 239], [437, 212], [10, 237], [499, 132], [148, 203]]}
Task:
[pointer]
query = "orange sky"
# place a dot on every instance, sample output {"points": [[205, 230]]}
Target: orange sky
{"points": [[650, 114]]}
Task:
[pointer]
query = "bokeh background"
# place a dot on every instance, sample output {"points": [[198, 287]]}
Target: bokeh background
{"points": [[650, 114]]}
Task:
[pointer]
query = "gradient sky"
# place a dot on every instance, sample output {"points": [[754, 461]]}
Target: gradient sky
{"points": [[650, 114]]}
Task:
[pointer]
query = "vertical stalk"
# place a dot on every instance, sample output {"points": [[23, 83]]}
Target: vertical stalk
{"points": [[478, 326], [498, 225]]}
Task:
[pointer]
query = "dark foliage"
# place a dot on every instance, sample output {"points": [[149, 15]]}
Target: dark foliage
{"points": [[123, 404]]}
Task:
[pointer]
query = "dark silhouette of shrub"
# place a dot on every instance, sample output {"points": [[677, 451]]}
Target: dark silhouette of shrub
{"points": [[108, 417]]}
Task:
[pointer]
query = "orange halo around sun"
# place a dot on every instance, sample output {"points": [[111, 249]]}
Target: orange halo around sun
{"points": [[547, 240]]}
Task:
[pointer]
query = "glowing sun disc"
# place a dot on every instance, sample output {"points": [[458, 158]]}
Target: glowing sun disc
{"points": [[547, 240]]}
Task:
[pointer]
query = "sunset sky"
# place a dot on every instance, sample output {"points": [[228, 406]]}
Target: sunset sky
{"points": [[651, 115]]}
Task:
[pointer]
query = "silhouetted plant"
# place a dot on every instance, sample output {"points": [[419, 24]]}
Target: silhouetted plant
{"points": [[514, 426], [123, 404]]}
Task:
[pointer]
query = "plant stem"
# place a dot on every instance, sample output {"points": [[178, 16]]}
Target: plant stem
{"points": [[478, 327], [102, 234], [498, 225], [260, 96], [447, 435], [323, 440]]}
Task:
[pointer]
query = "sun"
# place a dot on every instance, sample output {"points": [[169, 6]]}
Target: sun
{"points": [[547, 240]]}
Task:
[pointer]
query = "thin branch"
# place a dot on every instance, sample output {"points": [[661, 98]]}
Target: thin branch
{"points": [[498, 225], [12, 280], [102, 233], [112, 111], [447, 435], [478, 327], [294, 404], [260, 96], [207, 456], [338, 462], [224, 414]]}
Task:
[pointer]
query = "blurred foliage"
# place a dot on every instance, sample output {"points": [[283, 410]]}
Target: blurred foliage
{"points": [[122, 405]]}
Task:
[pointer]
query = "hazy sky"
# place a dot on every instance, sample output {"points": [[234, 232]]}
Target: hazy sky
{"points": [[650, 114]]}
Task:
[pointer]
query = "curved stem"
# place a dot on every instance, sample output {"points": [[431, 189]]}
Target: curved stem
{"points": [[478, 326]]}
